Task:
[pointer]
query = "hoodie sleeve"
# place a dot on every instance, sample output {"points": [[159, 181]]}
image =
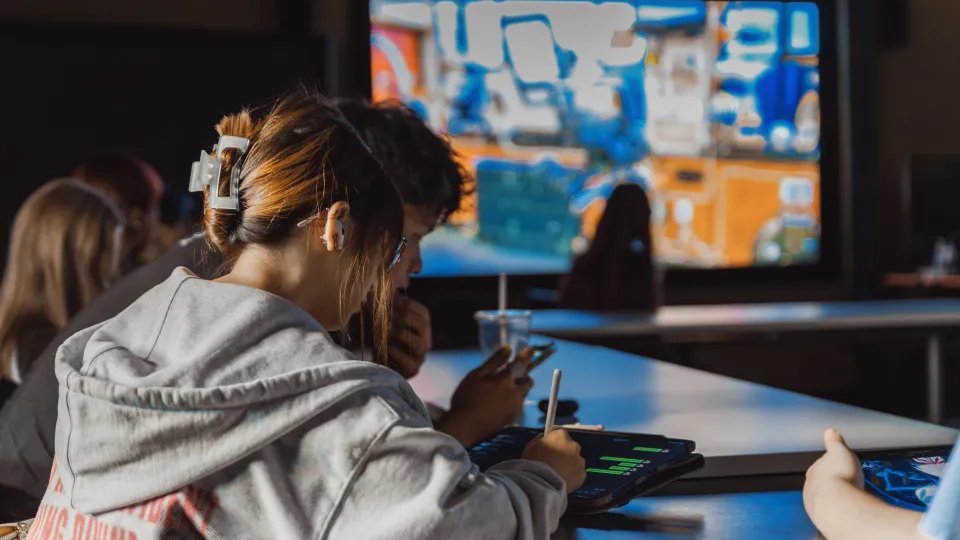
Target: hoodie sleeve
{"points": [[415, 482], [942, 518]]}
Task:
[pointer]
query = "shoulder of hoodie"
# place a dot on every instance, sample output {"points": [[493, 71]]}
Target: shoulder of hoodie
{"points": [[409, 407], [393, 390]]}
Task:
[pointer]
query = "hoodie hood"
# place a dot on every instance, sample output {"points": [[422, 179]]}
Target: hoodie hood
{"points": [[193, 377]]}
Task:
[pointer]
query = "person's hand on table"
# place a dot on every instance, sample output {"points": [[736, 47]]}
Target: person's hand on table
{"points": [[834, 498], [487, 400], [838, 467], [411, 337]]}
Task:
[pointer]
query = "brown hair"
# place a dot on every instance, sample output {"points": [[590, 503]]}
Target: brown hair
{"points": [[304, 156], [137, 190], [64, 251], [427, 171]]}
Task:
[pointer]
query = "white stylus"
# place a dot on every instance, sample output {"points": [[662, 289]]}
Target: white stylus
{"points": [[552, 405]]}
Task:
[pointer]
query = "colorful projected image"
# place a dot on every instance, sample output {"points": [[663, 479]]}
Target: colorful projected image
{"points": [[712, 107]]}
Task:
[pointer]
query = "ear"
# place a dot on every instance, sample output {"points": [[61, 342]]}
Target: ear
{"points": [[334, 234], [136, 236], [135, 220]]}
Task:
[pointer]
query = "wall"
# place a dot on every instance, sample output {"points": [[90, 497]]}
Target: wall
{"points": [[75, 84], [249, 15], [328, 18], [918, 94]]}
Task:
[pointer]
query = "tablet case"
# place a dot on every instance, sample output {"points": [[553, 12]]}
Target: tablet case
{"points": [[659, 479], [693, 462]]}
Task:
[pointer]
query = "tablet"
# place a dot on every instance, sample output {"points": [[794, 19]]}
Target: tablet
{"points": [[907, 478], [620, 466]]}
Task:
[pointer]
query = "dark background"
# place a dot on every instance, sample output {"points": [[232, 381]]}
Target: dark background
{"points": [[74, 91], [68, 89]]}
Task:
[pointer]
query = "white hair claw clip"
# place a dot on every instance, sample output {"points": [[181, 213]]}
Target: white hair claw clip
{"points": [[206, 174]]}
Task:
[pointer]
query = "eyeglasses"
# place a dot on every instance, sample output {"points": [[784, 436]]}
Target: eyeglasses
{"points": [[401, 245]]}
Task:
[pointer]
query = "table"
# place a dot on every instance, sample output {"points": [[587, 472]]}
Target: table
{"points": [[916, 280], [735, 516], [932, 316], [742, 429]]}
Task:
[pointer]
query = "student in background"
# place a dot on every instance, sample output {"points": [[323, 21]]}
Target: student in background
{"points": [[617, 272], [834, 498], [431, 180], [137, 189], [309, 442], [64, 251]]}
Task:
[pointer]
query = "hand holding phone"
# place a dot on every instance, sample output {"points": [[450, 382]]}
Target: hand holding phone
{"points": [[486, 400]]}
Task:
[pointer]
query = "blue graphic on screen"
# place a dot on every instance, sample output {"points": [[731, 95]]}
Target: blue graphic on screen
{"points": [[710, 106], [909, 482]]}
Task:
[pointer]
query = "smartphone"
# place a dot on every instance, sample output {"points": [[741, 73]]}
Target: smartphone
{"points": [[541, 353]]}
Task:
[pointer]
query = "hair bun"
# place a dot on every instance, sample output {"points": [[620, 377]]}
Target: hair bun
{"points": [[221, 225]]}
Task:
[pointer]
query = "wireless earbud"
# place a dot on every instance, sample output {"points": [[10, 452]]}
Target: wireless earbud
{"points": [[337, 236], [334, 232]]}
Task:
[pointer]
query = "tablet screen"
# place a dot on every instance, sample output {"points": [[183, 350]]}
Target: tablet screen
{"points": [[907, 478], [614, 461]]}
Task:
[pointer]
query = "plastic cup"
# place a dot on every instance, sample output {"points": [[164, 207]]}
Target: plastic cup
{"points": [[494, 326]]}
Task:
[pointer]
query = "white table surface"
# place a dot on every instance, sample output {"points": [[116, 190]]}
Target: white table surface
{"points": [[780, 317], [742, 428]]}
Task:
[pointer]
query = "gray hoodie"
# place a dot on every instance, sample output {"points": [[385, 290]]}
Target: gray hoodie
{"points": [[214, 410]]}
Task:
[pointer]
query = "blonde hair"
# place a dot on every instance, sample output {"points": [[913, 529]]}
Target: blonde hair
{"points": [[64, 251]]}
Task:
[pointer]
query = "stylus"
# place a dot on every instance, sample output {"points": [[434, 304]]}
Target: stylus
{"points": [[552, 405]]}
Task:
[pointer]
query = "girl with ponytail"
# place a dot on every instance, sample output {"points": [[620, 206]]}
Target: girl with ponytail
{"points": [[223, 409]]}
